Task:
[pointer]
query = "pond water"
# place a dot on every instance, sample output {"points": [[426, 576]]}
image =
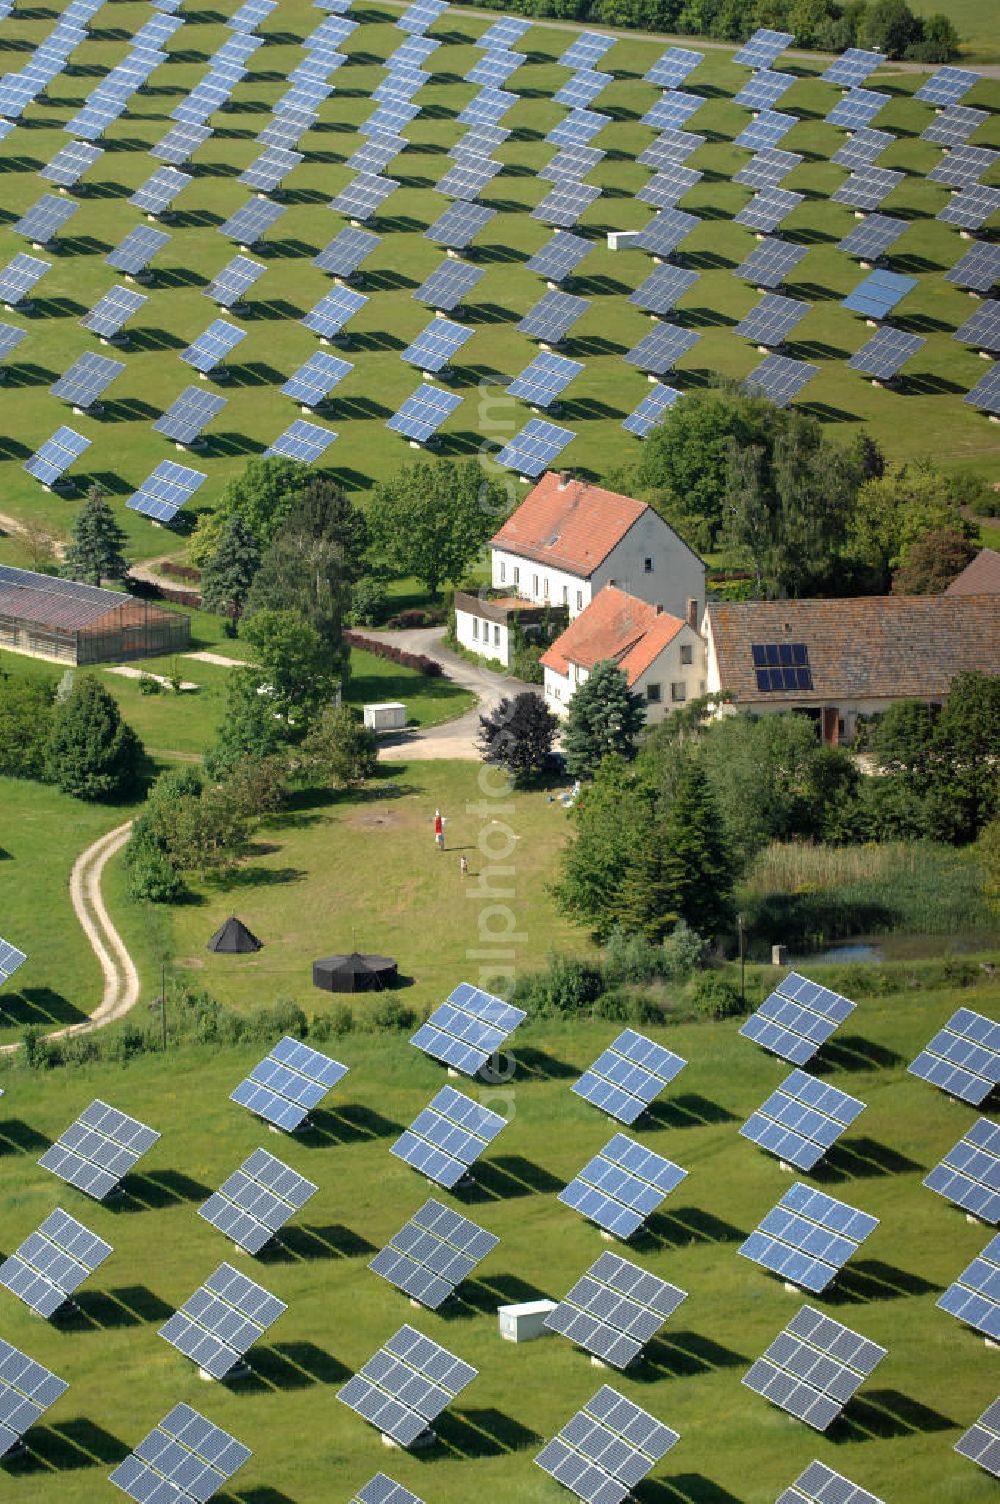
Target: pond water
{"points": [[871, 948]]}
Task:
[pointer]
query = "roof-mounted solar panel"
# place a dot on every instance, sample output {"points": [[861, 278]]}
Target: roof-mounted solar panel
{"points": [[52, 459], [447, 1137], [163, 493], [405, 1386], [808, 1237], [802, 1119], [313, 382], [628, 1076], [189, 414], [422, 414], [606, 1448], [975, 1296], [621, 1187], [52, 1263], [97, 1150], [221, 1321], [813, 1367], [288, 1084], [431, 1256]]}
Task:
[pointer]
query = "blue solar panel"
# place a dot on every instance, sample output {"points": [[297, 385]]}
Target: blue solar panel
{"points": [[488, 107], [302, 441], [533, 450], [763, 90], [293, 1078], [467, 1029], [162, 494], [857, 109], [770, 127], [421, 15], [188, 414], [885, 353], [665, 233], [564, 204], [10, 338], [347, 251], [460, 224], [313, 382], [250, 223], [362, 199], [672, 68], [560, 256], [975, 1296], [862, 148], [767, 209], [873, 238], [495, 68], [87, 379], [448, 1136], [969, 1174], [963, 166], [211, 348], [761, 50], [629, 1075], [622, 1186], [27, 1390], [421, 415], [42, 222], [852, 67], [333, 311], [56, 455], [770, 262], [780, 379], [796, 1018], [963, 1058], [578, 128], [802, 1119], [503, 33], [664, 190], [184, 1458], [137, 249], [448, 286], [553, 316], [588, 49], [808, 1237], [879, 293], [971, 208], [544, 379], [661, 349], [866, 188], [437, 345], [954, 125], [69, 165], [580, 92], [650, 412], [672, 110], [947, 86], [662, 288]]}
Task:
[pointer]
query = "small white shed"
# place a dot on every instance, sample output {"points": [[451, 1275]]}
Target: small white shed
{"points": [[390, 715], [525, 1322]]}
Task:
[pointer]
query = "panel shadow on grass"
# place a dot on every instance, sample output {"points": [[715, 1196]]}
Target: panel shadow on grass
{"points": [[37, 1005], [292, 1365], [685, 1488], [852, 1052], [865, 1280], [885, 1414], [72, 1444], [301, 1242], [264, 1495], [682, 1355], [862, 1159], [689, 1110], [18, 1137], [683, 1226], [481, 1297], [109, 1310], [27, 374], [536, 1062], [348, 1124], [481, 1433], [506, 1177], [157, 1189]]}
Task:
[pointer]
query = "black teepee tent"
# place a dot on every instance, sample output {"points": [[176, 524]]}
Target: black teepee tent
{"points": [[233, 939]]}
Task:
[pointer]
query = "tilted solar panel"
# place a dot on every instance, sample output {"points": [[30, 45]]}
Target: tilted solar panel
{"points": [[587, 49], [979, 268], [333, 311], [27, 1390], [382, 1490], [981, 1442], [433, 1253], [802, 1119], [773, 319], [53, 1263], [313, 382], [971, 208], [947, 86], [580, 92], [672, 68], [975, 1296], [877, 296], [767, 209], [422, 414], [228, 286], [662, 288], [819, 1484], [257, 1200], [137, 249], [460, 224], [885, 353], [669, 185], [579, 127], [346, 251], [862, 148], [97, 1150], [671, 146], [404, 1387], [969, 1174], [449, 284], [306, 442], [763, 48], [764, 89], [672, 110], [796, 1018], [852, 67], [222, 1320], [43, 221], [858, 108], [158, 192], [163, 493], [535, 448], [437, 345], [553, 316], [780, 378], [650, 411], [770, 127], [544, 379], [289, 1082], [606, 1449], [808, 1237], [874, 237], [564, 204], [252, 222], [87, 379], [661, 349], [468, 1029], [867, 188], [184, 1458], [212, 346], [54, 457], [69, 165], [954, 125], [448, 1136], [628, 1076], [188, 414], [615, 1310], [622, 1186], [770, 262], [560, 256], [813, 1367], [10, 338]]}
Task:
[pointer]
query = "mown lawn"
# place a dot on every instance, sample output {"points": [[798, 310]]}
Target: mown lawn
{"points": [[925, 417], [895, 1439]]}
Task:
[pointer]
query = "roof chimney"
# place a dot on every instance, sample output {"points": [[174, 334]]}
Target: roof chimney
{"points": [[565, 476], [692, 614]]}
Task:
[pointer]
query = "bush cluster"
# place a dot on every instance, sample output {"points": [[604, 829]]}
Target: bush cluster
{"points": [[419, 662]]}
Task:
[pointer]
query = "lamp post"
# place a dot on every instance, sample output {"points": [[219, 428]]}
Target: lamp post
{"points": [[743, 967], [161, 1003]]}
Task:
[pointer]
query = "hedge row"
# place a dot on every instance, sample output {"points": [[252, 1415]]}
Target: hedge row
{"points": [[419, 662]]}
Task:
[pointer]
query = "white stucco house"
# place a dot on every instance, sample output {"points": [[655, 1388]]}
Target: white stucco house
{"points": [[661, 656], [568, 540], [488, 625]]}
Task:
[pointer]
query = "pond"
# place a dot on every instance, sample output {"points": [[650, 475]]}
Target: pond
{"points": [[872, 948]]}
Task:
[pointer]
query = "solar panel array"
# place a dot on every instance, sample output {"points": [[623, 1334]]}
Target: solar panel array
{"points": [[969, 1174], [650, 411], [315, 379], [975, 1296], [622, 1186], [615, 1310], [185, 1457], [535, 448], [165, 491], [98, 1150], [10, 959], [802, 1119], [87, 379], [433, 1253], [467, 1029], [981, 1442], [289, 1082], [253, 1205], [382, 1490], [808, 1237], [53, 1262], [222, 1320], [448, 1136], [449, 285], [543, 381], [796, 1018], [27, 1390], [422, 414], [405, 1386], [819, 1484], [306, 442], [628, 1076], [772, 321], [607, 1448], [963, 1058], [111, 313], [813, 1367]]}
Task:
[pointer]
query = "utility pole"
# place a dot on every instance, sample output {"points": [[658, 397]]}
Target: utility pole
{"points": [[743, 966]]}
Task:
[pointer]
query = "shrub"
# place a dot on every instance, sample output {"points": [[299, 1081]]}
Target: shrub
{"points": [[716, 997], [388, 1014], [92, 753], [567, 985], [433, 616], [148, 685], [368, 602], [684, 951], [631, 958]]}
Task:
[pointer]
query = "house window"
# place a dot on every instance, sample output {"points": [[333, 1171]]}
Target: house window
{"points": [[534, 585], [579, 600], [652, 694], [546, 587], [496, 636], [517, 575], [686, 652], [678, 692], [565, 595], [503, 571], [475, 628], [647, 565]]}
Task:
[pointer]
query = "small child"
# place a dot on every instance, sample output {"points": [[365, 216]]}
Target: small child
{"points": [[463, 865]]}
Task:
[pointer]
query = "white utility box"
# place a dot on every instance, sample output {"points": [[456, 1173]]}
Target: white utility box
{"points": [[622, 240], [389, 716], [525, 1322]]}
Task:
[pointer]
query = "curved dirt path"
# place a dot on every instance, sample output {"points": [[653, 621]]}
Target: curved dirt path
{"points": [[121, 979]]}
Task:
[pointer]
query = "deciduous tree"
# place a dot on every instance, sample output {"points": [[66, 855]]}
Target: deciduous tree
{"points": [[230, 569], [518, 735], [432, 519]]}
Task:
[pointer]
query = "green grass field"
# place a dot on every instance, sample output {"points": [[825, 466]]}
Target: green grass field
{"points": [[895, 1439], [927, 417]]}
